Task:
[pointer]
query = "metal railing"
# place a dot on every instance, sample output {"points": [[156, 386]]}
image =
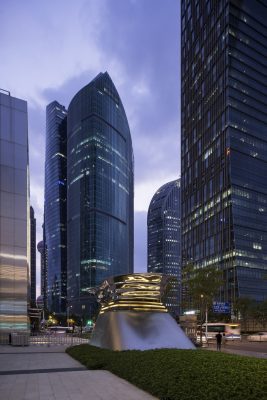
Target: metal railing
{"points": [[49, 339], [57, 339]]}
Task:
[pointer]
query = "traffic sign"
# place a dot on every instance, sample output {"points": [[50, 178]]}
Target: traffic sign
{"points": [[221, 307]]}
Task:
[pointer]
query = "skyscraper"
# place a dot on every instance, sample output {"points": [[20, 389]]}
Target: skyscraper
{"points": [[43, 258], [100, 191], [164, 239], [56, 207], [224, 142], [14, 213], [33, 256]]}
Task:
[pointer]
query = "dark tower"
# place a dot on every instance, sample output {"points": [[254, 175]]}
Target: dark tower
{"points": [[164, 239], [55, 206], [224, 142], [33, 257], [43, 256], [100, 191]]}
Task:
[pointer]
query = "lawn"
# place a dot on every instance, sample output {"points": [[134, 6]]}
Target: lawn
{"points": [[182, 374]]}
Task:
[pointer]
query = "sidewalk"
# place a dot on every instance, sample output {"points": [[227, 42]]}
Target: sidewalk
{"points": [[48, 373]]}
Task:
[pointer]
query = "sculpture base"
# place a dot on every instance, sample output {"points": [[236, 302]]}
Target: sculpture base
{"points": [[133, 330]]}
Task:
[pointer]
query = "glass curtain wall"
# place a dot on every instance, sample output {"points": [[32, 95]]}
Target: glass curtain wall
{"points": [[100, 191], [164, 239], [14, 214], [55, 216], [223, 101]]}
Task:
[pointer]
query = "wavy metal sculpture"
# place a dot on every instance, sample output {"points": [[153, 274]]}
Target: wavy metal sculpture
{"points": [[132, 315]]}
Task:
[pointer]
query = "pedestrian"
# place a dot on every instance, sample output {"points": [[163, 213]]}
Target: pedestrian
{"points": [[219, 340]]}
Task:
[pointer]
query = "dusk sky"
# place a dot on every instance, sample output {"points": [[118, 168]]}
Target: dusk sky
{"points": [[51, 49]]}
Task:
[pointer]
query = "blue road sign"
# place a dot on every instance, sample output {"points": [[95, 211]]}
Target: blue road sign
{"points": [[222, 308]]}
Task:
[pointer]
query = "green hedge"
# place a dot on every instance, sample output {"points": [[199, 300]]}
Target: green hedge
{"points": [[182, 374]]}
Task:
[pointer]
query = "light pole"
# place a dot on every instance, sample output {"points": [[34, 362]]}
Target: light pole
{"points": [[206, 319], [206, 330], [68, 315], [82, 320]]}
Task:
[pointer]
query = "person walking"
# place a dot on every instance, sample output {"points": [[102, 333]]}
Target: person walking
{"points": [[219, 340]]}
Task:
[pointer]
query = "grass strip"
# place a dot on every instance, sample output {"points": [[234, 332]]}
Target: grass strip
{"points": [[171, 374]]}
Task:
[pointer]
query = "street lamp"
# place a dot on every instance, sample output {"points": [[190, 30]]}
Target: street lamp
{"points": [[206, 317], [68, 315]]}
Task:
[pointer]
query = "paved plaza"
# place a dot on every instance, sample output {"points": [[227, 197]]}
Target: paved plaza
{"points": [[48, 373]]}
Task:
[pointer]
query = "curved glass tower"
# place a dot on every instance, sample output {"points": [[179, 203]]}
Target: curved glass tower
{"points": [[55, 206], [163, 239], [100, 191]]}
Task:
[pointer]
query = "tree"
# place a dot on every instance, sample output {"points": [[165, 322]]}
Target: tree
{"points": [[200, 287], [243, 308], [261, 313], [257, 312]]}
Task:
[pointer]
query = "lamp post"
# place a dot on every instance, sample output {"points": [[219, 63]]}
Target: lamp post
{"points": [[206, 319], [206, 330], [82, 319], [68, 315]]}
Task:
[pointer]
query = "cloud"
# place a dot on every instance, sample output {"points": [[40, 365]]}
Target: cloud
{"points": [[53, 48], [46, 44]]}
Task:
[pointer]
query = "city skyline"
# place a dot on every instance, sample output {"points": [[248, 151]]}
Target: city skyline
{"points": [[137, 55]]}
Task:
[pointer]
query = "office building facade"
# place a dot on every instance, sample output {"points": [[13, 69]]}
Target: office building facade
{"points": [[14, 213], [43, 269], [100, 192], [224, 162], [33, 258], [164, 239], [55, 207]]}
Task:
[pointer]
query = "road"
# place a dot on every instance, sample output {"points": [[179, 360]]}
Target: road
{"points": [[247, 346], [243, 347]]}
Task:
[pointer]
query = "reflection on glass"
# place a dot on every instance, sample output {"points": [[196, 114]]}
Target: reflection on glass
{"points": [[13, 214]]}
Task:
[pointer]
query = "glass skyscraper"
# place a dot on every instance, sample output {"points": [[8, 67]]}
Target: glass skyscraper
{"points": [[224, 142], [43, 264], [55, 215], [14, 213], [33, 257], [100, 191], [164, 239]]}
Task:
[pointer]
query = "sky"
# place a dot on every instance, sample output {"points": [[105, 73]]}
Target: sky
{"points": [[51, 49]]}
